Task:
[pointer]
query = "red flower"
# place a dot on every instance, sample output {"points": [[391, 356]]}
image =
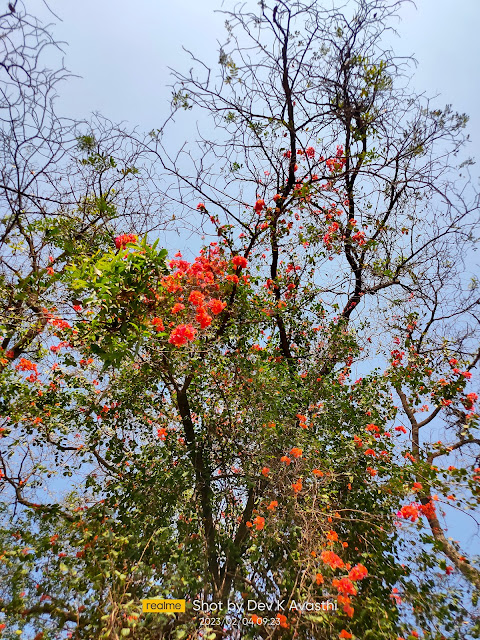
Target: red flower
{"points": [[259, 523], [203, 318], [409, 511], [359, 572], [358, 441], [26, 365], [273, 505], [158, 324], [196, 298], [178, 307], [297, 486], [201, 206], [331, 558], [181, 334], [345, 586], [319, 578], [265, 471], [124, 239], [259, 205], [216, 306], [428, 510], [296, 452], [285, 459], [344, 634], [282, 619], [239, 262], [370, 452]]}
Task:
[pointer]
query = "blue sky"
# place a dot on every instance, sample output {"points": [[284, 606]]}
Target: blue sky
{"points": [[122, 50]]}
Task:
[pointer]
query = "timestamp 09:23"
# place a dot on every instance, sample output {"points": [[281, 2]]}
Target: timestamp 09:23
{"points": [[231, 621]]}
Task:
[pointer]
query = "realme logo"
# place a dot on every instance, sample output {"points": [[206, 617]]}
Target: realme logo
{"points": [[155, 605]]}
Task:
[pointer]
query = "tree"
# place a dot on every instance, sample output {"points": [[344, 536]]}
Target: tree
{"points": [[243, 426]]}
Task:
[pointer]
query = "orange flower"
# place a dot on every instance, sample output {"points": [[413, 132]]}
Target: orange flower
{"points": [[273, 505], [178, 307], [317, 472], [359, 572], [344, 585], [331, 558], [297, 486], [296, 452], [216, 306], [282, 619], [256, 619], [196, 298], [344, 634], [370, 452], [417, 485], [239, 262], [319, 578], [181, 334], [259, 523], [332, 535], [285, 459], [358, 441], [371, 471], [265, 471]]}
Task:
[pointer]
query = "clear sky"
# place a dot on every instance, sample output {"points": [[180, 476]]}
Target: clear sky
{"points": [[123, 48]]}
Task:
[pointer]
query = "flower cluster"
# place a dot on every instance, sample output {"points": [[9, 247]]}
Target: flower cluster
{"points": [[124, 239]]}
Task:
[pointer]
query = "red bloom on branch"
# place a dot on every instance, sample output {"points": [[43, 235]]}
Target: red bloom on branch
{"points": [[158, 324], [296, 452], [259, 205], [409, 512], [331, 558], [344, 634], [359, 572], [203, 318], [216, 306], [181, 334], [196, 298], [26, 365], [283, 620], [239, 262], [297, 486], [345, 586], [124, 239], [428, 510], [178, 307]]}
